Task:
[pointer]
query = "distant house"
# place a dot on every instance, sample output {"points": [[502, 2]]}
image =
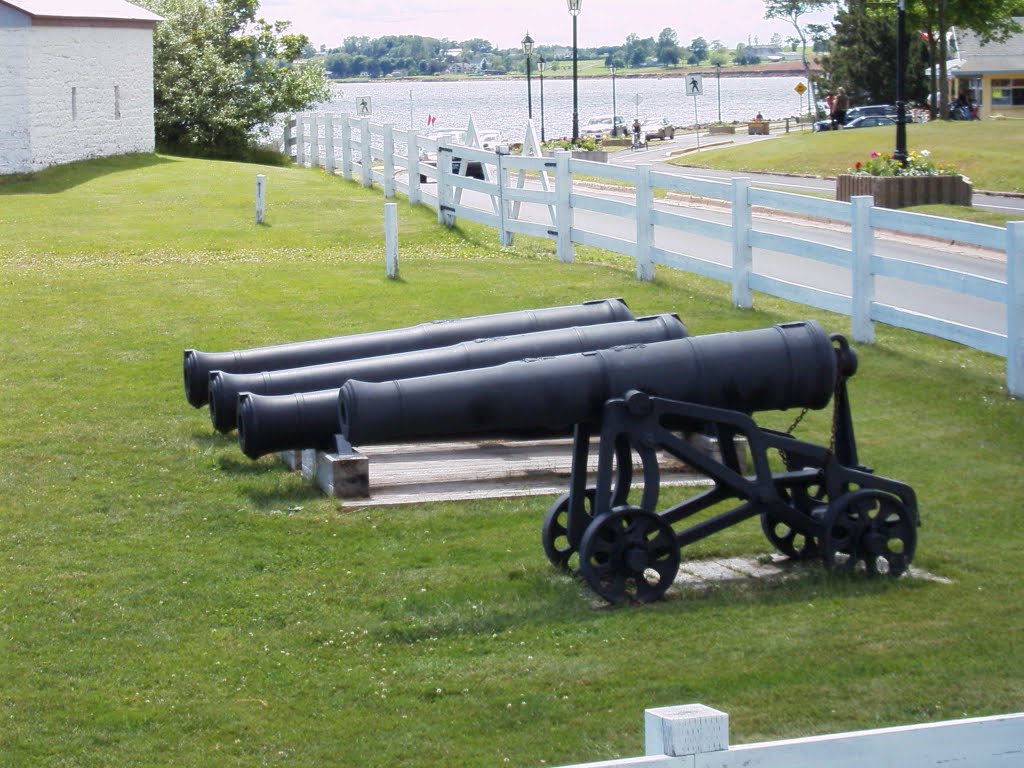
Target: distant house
{"points": [[764, 51], [76, 81], [992, 73]]}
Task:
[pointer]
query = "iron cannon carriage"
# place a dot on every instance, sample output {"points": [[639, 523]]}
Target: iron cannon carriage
{"points": [[818, 501]]}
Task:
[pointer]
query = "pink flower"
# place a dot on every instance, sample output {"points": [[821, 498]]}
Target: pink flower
{"points": [[874, 154]]}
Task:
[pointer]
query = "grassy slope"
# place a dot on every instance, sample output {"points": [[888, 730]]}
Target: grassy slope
{"points": [[989, 153], [164, 601]]}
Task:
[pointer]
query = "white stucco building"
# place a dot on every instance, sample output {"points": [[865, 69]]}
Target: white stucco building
{"points": [[76, 81]]}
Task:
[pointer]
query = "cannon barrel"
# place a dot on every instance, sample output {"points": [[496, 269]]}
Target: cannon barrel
{"points": [[785, 366], [440, 333], [307, 415]]}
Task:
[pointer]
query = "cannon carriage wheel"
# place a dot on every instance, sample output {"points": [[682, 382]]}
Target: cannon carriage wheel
{"points": [[869, 530], [629, 554], [810, 501], [562, 531]]}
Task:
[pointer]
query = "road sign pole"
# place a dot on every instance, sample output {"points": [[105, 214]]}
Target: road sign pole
{"points": [[696, 122]]}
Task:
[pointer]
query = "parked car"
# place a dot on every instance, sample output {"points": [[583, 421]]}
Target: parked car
{"points": [[599, 127], [657, 128], [871, 121], [870, 110]]}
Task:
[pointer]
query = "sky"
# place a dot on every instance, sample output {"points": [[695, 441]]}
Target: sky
{"points": [[601, 22]]}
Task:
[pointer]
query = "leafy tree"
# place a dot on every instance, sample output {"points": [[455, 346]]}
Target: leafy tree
{"points": [[863, 58], [638, 50], [699, 49], [719, 57], [667, 49], [743, 56], [791, 11], [220, 74]]}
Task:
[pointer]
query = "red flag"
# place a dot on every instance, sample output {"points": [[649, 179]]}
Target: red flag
{"points": [[431, 120]]}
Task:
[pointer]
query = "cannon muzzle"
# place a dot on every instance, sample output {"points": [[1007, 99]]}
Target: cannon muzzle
{"points": [[307, 416], [198, 365], [785, 366]]}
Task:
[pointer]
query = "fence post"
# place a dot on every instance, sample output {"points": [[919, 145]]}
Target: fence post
{"points": [[391, 239], [862, 249], [389, 161], [314, 141], [742, 253], [1015, 308], [563, 206], [346, 148], [413, 152], [445, 208], [644, 225], [329, 144], [300, 140], [504, 206], [366, 152], [687, 730], [289, 135], [261, 196]]}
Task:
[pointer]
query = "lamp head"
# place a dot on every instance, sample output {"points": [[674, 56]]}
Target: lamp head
{"points": [[574, 6], [527, 44]]}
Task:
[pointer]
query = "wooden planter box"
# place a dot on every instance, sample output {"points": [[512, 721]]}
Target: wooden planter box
{"points": [[720, 129], [758, 129], [905, 191]]}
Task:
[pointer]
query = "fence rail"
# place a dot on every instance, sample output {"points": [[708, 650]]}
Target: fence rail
{"points": [[422, 168], [696, 736]]}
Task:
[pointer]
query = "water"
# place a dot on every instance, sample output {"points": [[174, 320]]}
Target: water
{"points": [[502, 104]]}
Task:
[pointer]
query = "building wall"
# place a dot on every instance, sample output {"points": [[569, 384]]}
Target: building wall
{"points": [[15, 137], [79, 91]]}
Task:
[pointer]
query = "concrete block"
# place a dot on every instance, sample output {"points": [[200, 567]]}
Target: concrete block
{"points": [[689, 729]]}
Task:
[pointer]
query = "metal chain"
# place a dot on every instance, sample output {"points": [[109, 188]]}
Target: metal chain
{"points": [[840, 380], [796, 422]]}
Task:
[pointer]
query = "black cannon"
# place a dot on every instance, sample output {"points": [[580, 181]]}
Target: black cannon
{"points": [[307, 415], [441, 333], [644, 399]]}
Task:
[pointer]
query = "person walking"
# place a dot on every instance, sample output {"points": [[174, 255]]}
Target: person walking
{"points": [[839, 107]]}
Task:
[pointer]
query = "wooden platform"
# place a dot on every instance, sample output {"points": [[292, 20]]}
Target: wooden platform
{"points": [[425, 472]]}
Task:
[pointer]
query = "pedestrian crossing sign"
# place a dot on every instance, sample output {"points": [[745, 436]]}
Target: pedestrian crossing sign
{"points": [[694, 85]]}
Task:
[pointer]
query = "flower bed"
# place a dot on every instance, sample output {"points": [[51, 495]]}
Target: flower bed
{"points": [[892, 184], [905, 191]]}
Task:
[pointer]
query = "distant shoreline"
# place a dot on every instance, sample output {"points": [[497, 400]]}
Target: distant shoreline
{"points": [[783, 69]]}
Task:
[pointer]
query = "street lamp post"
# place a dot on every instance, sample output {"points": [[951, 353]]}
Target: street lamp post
{"points": [[574, 10], [718, 84], [900, 155], [528, 49], [541, 64], [615, 111]]}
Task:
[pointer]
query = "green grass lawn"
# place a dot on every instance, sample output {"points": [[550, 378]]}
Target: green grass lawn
{"points": [[988, 152], [165, 601]]}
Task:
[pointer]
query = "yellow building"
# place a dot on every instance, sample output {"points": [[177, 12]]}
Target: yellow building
{"points": [[991, 73]]}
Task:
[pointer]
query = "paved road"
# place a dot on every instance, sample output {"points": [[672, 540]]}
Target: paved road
{"points": [[934, 302], [658, 152]]}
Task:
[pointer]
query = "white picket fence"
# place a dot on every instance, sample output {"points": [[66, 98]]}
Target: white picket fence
{"points": [[695, 736], [389, 157]]}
